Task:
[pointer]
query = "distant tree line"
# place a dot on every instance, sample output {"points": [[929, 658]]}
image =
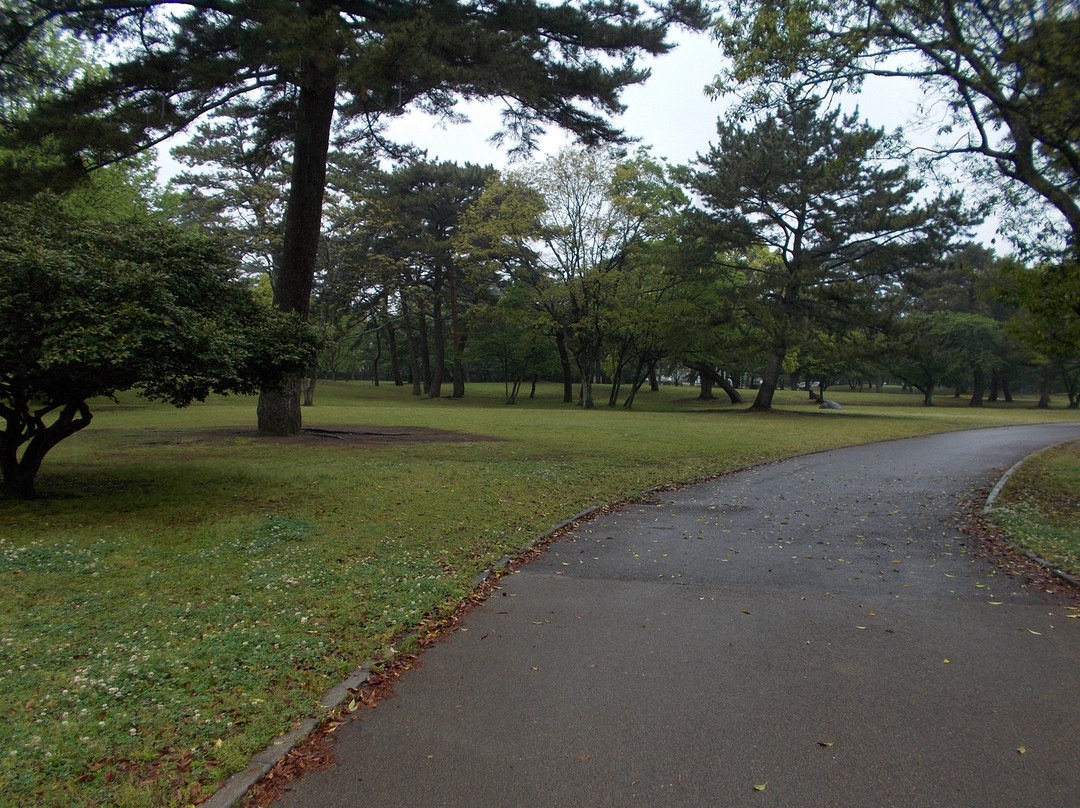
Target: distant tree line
{"points": [[803, 247]]}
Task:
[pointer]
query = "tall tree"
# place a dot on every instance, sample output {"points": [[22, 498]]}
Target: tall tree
{"points": [[811, 187], [425, 201], [232, 186], [317, 59], [1008, 72]]}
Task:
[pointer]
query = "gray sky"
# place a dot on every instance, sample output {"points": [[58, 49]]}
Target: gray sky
{"points": [[669, 112]]}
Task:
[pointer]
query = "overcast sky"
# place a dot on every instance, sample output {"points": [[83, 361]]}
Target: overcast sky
{"points": [[669, 112]]}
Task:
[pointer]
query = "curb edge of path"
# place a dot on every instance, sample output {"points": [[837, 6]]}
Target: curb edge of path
{"points": [[991, 498], [262, 762], [238, 784]]}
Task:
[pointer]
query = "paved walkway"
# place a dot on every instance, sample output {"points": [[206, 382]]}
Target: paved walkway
{"points": [[809, 633]]}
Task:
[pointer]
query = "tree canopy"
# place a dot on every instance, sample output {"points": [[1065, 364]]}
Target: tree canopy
{"points": [[93, 307], [838, 224], [1006, 71], [307, 61]]}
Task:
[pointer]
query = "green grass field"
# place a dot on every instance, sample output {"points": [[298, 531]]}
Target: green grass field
{"points": [[184, 591]]}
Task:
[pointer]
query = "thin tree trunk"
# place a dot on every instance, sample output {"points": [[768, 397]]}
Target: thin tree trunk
{"points": [[438, 335], [395, 359], [457, 337], [410, 345], [378, 357], [1044, 392], [567, 373]]}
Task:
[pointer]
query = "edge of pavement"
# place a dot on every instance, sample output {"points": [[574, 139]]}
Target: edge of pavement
{"points": [[262, 762], [238, 784], [991, 498]]}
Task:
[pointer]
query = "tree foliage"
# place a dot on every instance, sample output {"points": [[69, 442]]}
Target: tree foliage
{"points": [[93, 307], [837, 224], [310, 61], [1007, 72]]}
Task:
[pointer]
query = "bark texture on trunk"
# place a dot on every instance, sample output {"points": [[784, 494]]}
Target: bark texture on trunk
{"points": [[769, 381], [279, 409]]}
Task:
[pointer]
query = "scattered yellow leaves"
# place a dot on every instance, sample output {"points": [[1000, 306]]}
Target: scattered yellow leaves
{"points": [[761, 787], [1022, 750]]}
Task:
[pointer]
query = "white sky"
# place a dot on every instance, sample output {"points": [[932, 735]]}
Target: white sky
{"points": [[669, 112]]}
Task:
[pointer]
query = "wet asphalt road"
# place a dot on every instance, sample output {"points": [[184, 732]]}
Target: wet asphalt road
{"points": [[817, 627]]}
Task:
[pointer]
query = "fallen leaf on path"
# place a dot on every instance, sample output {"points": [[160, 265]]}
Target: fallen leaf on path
{"points": [[761, 787], [1022, 750], [824, 743], [1036, 633]]}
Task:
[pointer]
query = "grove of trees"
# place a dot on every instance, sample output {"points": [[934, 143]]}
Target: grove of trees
{"points": [[803, 246]]}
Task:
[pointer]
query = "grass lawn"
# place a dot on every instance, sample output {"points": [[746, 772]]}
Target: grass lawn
{"points": [[1039, 508], [184, 591]]}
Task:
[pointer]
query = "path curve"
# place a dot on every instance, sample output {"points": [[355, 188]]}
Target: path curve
{"points": [[811, 633]]}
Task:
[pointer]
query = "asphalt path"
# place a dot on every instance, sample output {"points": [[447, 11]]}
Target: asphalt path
{"points": [[814, 632]]}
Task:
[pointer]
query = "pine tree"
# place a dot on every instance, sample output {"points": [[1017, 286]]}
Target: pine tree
{"points": [[311, 61]]}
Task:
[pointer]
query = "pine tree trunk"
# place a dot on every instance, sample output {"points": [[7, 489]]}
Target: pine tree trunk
{"points": [[279, 409], [769, 381], [395, 359], [978, 388], [438, 334]]}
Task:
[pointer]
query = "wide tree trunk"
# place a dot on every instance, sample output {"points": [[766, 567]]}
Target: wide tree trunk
{"points": [[709, 377], [1044, 392], [729, 389], [278, 409], [978, 388], [706, 385], [769, 381]]}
